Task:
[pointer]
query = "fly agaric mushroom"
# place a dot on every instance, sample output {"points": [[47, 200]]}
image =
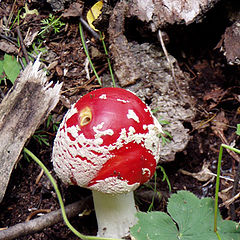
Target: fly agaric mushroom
{"points": [[108, 142]]}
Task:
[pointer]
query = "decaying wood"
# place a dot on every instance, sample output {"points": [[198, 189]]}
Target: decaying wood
{"points": [[124, 61], [23, 109], [159, 13], [38, 224], [232, 43]]}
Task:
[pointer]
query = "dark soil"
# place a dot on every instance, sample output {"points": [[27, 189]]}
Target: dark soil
{"points": [[214, 84]]}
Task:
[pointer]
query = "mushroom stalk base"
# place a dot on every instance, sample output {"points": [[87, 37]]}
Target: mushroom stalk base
{"points": [[115, 214]]}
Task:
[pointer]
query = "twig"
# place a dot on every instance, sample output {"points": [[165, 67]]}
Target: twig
{"points": [[22, 45], [11, 14], [230, 201], [34, 213], [10, 39], [234, 190], [221, 135], [37, 224], [88, 28], [170, 63]]}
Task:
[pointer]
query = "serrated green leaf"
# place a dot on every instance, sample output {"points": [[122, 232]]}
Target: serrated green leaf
{"points": [[148, 224], [11, 67], [193, 218]]}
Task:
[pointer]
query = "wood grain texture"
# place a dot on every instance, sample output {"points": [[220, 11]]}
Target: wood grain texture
{"points": [[23, 109]]}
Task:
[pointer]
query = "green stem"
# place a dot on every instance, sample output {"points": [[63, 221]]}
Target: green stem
{"points": [[108, 60], [218, 182], [52, 180], [155, 190], [218, 236], [87, 54], [217, 187]]}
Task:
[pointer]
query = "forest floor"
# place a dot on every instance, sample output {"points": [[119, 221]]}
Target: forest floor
{"points": [[213, 83]]}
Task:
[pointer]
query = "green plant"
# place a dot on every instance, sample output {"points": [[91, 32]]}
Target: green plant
{"points": [[37, 48], [165, 177], [238, 130], [108, 60], [166, 137], [218, 181], [51, 24], [41, 137], [9, 68], [50, 122], [188, 218]]}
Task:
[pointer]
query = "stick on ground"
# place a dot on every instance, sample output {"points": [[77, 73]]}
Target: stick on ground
{"points": [[38, 224]]}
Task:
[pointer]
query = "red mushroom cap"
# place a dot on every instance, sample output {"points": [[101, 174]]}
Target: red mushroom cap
{"points": [[108, 141]]}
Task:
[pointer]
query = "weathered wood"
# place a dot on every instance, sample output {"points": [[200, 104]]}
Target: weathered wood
{"points": [[162, 12], [124, 61], [23, 109]]}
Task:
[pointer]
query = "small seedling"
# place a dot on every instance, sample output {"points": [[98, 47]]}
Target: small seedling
{"points": [[51, 24], [41, 138], [37, 48], [51, 123], [166, 137], [165, 177], [188, 218]]}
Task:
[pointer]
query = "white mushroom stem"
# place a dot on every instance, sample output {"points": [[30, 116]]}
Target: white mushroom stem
{"points": [[115, 214]]}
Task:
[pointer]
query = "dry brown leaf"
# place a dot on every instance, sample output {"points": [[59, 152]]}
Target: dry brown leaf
{"points": [[30, 37], [215, 96], [8, 47], [204, 175], [219, 123], [75, 10]]}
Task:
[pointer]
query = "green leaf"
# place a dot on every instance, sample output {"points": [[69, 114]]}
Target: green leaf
{"points": [[149, 224], [1, 71], [238, 130], [189, 218], [1, 68], [11, 67]]}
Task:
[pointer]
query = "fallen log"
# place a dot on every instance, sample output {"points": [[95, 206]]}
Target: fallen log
{"points": [[22, 110]]}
